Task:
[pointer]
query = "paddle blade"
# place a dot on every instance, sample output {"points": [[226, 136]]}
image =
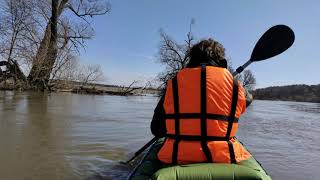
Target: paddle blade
{"points": [[273, 42]]}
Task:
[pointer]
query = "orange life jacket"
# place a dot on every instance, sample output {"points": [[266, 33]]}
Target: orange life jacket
{"points": [[202, 107]]}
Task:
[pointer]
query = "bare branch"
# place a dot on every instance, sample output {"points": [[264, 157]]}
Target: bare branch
{"points": [[174, 55], [84, 8], [89, 74]]}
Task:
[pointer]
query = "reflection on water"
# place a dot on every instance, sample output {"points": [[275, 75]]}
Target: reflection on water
{"points": [[70, 136], [283, 136], [310, 107]]}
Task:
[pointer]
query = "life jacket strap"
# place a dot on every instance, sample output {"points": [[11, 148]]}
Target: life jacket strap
{"points": [[231, 152], [198, 116], [196, 138], [234, 102], [176, 120], [203, 111]]}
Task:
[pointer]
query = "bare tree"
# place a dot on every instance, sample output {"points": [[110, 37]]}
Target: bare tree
{"points": [[248, 80], [65, 67], [173, 55], [89, 74], [69, 72], [128, 90], [151, 84], [44, 60], [16, 34], [41, 37]]}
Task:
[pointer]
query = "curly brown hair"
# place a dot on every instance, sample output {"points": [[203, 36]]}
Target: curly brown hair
{"points": [[207, 51]]}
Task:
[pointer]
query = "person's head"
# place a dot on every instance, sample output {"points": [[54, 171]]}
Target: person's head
{"points": [[207, 51]]}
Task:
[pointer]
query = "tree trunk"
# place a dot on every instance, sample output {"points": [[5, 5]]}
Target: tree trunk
{"points": [[47, 52], [40, 56], [16, 72], [52, 49]]}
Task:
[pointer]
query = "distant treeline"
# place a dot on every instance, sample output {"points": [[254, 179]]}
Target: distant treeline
{"points": [[303, 93]]}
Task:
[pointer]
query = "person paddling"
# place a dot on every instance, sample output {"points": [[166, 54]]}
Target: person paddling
{"points": [[199, 112]]}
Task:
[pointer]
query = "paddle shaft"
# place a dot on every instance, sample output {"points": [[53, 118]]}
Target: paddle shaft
{"points": [[241, 68], [142, 149]]}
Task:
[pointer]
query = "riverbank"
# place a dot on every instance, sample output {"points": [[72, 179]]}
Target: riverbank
{"points": [[110, 90], [297, 93], [88, 88]]}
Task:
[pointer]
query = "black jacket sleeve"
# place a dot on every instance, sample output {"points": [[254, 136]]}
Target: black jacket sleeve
{"points": [[249, 98], [158, 125]]}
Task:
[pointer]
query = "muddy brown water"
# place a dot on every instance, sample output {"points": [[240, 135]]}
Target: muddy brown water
{"points": [[71, 136]]}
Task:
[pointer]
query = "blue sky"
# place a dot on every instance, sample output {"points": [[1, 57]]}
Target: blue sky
{"points": [[126, 40]]}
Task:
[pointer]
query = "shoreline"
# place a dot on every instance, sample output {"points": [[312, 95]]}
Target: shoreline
{"points": [[285, 100], [146, 92], [93, 89], [296, 93]]}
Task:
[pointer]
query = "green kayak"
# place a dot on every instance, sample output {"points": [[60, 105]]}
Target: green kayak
{"points": [[151, 168]]}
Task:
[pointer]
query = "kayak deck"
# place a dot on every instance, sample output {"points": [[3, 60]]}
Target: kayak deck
{"points": [[151, 168]]}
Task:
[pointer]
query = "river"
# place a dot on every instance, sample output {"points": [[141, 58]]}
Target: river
{"points": [[71, 136]]}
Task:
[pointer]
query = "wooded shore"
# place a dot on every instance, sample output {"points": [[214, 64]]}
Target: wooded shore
{"points": [[299, 93]]}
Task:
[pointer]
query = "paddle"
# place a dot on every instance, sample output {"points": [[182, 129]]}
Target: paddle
{"points": [[141, 150], [273, 42]]}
